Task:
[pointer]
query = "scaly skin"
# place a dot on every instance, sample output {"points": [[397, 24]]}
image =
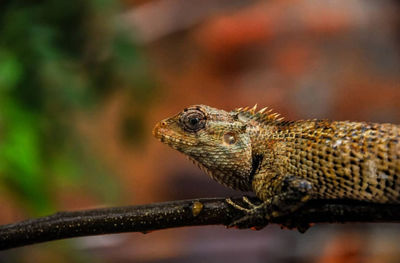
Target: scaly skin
{"points": [[286, 163]]}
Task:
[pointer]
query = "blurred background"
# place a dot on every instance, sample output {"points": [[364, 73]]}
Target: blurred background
{"points": [[82, 84]]}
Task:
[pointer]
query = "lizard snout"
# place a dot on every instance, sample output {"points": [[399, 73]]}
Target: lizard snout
{"points": [[159, 129]]}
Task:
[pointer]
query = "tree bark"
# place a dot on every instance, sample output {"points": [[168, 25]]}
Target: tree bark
{"points": [[195, 212]]}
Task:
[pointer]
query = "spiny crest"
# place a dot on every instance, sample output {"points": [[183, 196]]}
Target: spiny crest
{"points": [[263, 115]]}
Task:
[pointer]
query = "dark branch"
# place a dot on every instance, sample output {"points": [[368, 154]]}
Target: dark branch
{"points": [[196, 212]]}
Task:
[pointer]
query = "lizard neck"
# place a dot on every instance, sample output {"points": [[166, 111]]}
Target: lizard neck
{"points": [[257, 160], [267, 145]]}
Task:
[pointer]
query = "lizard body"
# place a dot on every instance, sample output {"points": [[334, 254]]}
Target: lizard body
{"points": [[289, 160]]}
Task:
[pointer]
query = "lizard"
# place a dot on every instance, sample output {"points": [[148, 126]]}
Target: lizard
{"points": [[287, 163]]}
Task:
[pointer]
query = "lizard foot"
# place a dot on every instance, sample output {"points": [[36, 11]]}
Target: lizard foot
{"points": [[258, 215], [295, 193], [254, 216]]}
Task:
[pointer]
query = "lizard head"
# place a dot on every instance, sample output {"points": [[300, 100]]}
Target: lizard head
{"points": [[216, 140]]}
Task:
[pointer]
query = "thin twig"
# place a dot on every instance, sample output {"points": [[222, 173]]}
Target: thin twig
{"points": [[195, 212]]}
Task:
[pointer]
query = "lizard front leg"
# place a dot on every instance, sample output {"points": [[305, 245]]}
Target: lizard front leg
{"points": [[281, 195]]}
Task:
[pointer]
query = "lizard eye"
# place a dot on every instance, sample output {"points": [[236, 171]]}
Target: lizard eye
{"points": [[193, 120]]}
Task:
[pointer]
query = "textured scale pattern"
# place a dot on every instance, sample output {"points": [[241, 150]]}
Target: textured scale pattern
{"points": [[259, 151], [346, 160]]}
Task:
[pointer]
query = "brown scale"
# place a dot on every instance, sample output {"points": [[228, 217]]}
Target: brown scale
{"points": [[258, 151], [350, 160]]}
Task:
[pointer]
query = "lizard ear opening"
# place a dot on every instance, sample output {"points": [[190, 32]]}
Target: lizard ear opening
{"points": [[230, 138]]}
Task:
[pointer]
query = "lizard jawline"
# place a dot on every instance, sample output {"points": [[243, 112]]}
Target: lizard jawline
{"points": [[227, 180]]}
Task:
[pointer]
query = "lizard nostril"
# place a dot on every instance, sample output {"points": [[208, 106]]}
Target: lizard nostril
{"points": [[163, 123]]}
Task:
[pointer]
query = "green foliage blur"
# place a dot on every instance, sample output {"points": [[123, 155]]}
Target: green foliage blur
{"points": [[57, 58]]}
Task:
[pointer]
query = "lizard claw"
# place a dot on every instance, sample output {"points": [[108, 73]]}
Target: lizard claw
{"points": [[249, 203], [258, 215], [254, 217]]}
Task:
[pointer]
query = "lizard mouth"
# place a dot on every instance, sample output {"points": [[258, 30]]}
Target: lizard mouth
{"points": [[164, 134]]}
